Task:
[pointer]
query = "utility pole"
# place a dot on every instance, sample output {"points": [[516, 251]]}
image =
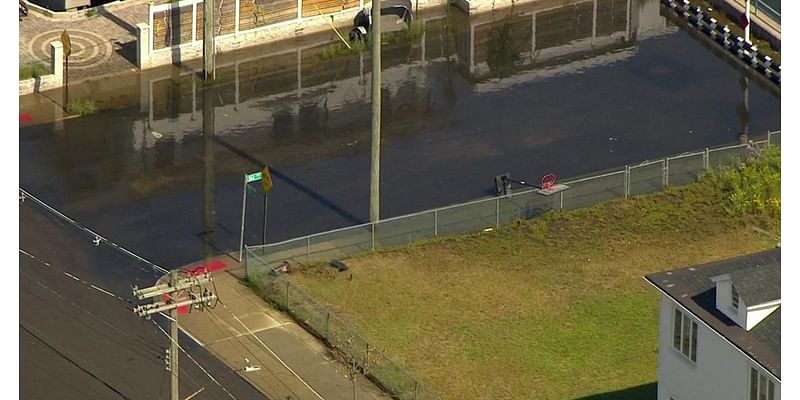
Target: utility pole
{"points": [[209, 175], [170, 292], [209, 70], [375, 176]]}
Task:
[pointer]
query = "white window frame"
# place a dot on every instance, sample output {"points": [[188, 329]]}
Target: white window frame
{"points": [[684, 330], [761, 384]]}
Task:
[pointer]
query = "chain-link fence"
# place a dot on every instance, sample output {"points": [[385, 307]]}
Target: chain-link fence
{"points": [[647, 177], [350, 347], [488, 213]]}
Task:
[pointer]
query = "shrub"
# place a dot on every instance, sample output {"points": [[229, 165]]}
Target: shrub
{"points": [[32, 71], [754, 186], [91, 12], [82, 107]]}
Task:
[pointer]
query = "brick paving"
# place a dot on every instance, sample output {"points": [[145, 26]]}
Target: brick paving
{"points": [[101, 44]]}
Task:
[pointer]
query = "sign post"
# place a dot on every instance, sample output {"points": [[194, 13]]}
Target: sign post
{"points": [[266, 184], [67, 45]]}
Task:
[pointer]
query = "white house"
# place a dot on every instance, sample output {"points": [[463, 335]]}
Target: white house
{"points": [[720, 330]]}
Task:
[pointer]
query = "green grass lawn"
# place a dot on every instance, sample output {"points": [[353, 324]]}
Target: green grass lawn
{"points": [[553, 308]]}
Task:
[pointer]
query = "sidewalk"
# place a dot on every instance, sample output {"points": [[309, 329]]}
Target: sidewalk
{"points": [[101, 44], [294, 364]]}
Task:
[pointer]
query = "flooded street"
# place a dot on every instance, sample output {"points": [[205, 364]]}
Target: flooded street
{"points": [[565, 87]]}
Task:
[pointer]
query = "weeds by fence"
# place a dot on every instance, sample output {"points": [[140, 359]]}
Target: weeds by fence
{"points": [[488, 213]]}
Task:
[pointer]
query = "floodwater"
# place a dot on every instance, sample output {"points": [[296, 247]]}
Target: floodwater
{"points": [[571, 88]]}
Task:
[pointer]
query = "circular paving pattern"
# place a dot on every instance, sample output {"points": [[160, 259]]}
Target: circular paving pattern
{"points": [[88, 49]]}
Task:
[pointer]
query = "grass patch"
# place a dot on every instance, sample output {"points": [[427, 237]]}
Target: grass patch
{"points": [[83, 107], [91, 12], [340, 49], [552, 308], [32, 71]]}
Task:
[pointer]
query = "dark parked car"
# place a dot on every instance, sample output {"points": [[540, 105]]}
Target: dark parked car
{"points": [[397, 12]]}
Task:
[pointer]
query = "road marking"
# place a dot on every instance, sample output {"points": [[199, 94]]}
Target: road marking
{"points": [[273, 353]]}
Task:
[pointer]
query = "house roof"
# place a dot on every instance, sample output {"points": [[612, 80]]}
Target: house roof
{"points": [[759, 284], [693, 288]]}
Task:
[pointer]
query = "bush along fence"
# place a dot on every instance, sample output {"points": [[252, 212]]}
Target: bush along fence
{"points": [[489, 213], [721, 34]]}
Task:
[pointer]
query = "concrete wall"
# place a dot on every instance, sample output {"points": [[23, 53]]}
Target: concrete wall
{"points": [[721, 371], [46, 82], [147, 58]]}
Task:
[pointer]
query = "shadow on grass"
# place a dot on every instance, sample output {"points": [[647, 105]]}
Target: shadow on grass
{"points": [[642, 392]]}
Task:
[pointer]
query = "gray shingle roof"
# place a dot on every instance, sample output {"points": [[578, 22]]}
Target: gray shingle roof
{"points": [[692, 288], [759, 284]]}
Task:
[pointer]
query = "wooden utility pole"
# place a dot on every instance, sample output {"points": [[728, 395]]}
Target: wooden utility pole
{"points": [[171, 290], [375, 176], [209, 70], [174, 372]]}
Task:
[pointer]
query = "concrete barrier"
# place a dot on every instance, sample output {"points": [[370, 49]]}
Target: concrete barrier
{"points": [[50, 81], [745, 51]]}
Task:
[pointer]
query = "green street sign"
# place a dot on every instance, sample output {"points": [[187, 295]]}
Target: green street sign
{"points": [[254, 177]]}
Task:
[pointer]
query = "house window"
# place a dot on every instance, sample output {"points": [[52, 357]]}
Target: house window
{"points": [[761, 387], [734, 298], [684, 335]]}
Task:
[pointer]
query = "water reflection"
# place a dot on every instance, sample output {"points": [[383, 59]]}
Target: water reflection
{"points": [[572, 88]]}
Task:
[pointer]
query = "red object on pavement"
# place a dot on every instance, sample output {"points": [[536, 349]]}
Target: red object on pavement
{"points": [[212, 266], [743, 22], [25, 117]]}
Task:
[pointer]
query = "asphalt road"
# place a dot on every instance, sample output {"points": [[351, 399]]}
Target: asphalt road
{"points": [[79, 343]]}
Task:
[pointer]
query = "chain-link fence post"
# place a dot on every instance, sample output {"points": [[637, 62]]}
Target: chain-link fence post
{"points": [[497, 212], [435, 223], [627, 181], [287, 295], [246, 256], [308, 249], [561, 200], [372, 233], [705, 160], [665, 173], [327, 324]]}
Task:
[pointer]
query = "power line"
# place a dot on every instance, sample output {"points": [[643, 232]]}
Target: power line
{"points": [[97, 237], [88, 285]]}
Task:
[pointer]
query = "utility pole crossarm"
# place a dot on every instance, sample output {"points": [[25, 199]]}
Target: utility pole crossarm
{"points": [[155, 308], [158, 290]]}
